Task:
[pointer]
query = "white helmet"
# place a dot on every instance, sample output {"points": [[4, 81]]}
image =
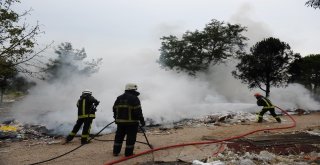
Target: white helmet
{"points": [[87, 91], [131, 86]]}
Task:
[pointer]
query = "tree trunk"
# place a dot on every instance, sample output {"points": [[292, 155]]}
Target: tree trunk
{"points": [[1, 96], [267, 74], [267, 88], [3, 87]]}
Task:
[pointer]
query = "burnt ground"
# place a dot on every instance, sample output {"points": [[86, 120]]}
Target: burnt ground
{"points": [[280, 144]]}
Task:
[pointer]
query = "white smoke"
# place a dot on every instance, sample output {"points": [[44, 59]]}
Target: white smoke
{"points": [[166, 96], [256, 30]]}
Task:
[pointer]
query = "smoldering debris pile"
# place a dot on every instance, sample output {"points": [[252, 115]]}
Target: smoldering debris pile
{"points": [[217, 119], [12, 130]]}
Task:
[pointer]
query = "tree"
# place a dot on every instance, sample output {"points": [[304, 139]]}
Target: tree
{"points": [[295, 71], [266, 66], [20, 84], [313, 3], [17, 39], [6, 74], [306, 71], [17, 45], [197, 50], [70, 61]]}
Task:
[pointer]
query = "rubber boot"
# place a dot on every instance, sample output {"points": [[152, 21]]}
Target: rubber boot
{"points": [[69, 138], [84, 140], [128, 151], [116, 149], [278, 119]]}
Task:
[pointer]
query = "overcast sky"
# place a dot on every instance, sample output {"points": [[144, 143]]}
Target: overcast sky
{"points": [[124, 27]]}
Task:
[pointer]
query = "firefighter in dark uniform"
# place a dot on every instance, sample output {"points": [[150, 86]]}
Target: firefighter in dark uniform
{"points": [[127, 114], [86, 113], [267, 106]]}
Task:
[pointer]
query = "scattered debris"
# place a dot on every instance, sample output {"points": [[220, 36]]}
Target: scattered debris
{"points": [[293, 148], [296, 148], [11, 130], [298, 111], [263, 157], [314, 132]]}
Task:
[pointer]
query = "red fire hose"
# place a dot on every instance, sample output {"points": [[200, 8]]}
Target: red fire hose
{"points": [[204, 142]]}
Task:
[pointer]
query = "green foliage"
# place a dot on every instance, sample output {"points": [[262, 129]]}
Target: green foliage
{"points": [[197, 50], [307, 72], [6, 72], [20, 85], [266, 66], [17, 40], [69, 62], [313, 3], [6, 75], [11, 82]]}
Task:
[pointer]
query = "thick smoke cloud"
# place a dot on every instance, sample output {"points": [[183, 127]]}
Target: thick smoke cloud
{"points": [[166, 96]]}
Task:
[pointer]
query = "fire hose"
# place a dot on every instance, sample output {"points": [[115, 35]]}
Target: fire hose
{"points": [[74, 148], [93, 138], [204, 142]]}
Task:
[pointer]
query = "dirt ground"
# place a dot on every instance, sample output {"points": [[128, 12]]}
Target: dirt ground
{"points": [[100, 152]]}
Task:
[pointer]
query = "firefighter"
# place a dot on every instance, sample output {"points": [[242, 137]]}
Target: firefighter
{"points": [[86, 113], [127, 113], [267, 106]]}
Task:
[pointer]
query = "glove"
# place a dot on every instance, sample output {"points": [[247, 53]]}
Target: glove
{"points": [[142, 123]]}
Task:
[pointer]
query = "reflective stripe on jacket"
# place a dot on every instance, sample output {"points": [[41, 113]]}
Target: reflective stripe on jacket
{"points": [[125, 113], [127, 109], [85, 106], [266, 103]]}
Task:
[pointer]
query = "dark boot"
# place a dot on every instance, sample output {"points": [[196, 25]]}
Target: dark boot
{"points": [[84, 141], [259, 120], [69, 138], [128, 151], [278, 119], [116, 149]]}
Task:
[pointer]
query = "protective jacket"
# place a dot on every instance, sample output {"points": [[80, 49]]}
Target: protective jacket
{"points": [[267, 106], [127, 109], [86, 106], [265, 102], [86, 113]]}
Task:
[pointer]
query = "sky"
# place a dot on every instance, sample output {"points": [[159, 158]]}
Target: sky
{"points": [[106, 27], [126, 34]]}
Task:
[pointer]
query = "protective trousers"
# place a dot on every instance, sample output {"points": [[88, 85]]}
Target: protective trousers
{"points": [[85, 130], [122, 131], [272, 112]]}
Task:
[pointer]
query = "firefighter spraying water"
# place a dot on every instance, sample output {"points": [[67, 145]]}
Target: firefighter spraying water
{"points": [[86, 113], [267, 106]]}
